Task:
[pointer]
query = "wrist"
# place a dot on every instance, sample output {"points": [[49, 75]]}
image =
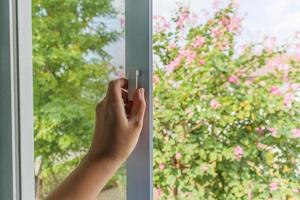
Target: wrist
{"points": [[96, 158]]}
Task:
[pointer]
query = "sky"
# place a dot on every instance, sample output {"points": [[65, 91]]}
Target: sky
{"points": [[275, 18]]}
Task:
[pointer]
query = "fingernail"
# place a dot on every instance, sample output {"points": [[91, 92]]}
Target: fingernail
{"points": [[141, 91]]}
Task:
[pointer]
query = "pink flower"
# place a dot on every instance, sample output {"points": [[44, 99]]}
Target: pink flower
{"points": [[172, 45], [296, 133], [216, 4], [288, 99], [248, 82], [199, 41], [233, 79], [183, 18], [261, 146], [260, 130], [231, 24], [273, 131], [161, 166], [202, 62], [277, 61], [225, 21], [191, 57], [296, 190], [178, 156], [214, 104], [166, 26], [298, 55], [215, 32], [250, 196], [204, 168], [284, 67], [174, 64], [275, 91], [297, 35], [280, 63], [188, 54], [234, 24], [294, 86], [160, 24], [238, 152], [155, 79], [298, 45], [223, 45], [122, 22], [270, 43], [273, 186], [159, 193]]}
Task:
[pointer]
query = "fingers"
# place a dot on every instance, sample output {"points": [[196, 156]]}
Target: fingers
{"points": [[127, 103], [138, 108], [125, 95], [117, 97], [114, 89], [128, 107], [114, 97]]}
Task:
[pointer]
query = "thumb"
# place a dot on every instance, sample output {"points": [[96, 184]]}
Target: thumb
{"points": [[138, 108]]}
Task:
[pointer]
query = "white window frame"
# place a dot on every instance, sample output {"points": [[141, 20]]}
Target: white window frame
{"points": [[16, 102], [138, 45]]}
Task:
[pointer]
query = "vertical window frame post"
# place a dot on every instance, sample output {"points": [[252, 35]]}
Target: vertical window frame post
{"points": [[25, 79], [138, 45], [16, 102]]}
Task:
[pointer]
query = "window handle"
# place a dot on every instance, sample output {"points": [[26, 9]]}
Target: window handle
{"points": [[133, 77]]}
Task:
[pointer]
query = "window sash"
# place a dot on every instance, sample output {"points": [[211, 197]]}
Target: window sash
{"points": [[25, 77], [8, 142], [138, 17], [16, 104], [16, 110]]}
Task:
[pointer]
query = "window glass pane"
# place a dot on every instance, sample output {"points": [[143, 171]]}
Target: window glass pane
{"points": [[226, 99], [78, 46]]}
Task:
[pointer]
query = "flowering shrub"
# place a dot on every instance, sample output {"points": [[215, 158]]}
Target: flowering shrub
{"points": [[227, 120]]}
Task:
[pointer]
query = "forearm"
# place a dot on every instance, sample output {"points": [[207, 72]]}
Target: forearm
{"points": [[87, 180]]}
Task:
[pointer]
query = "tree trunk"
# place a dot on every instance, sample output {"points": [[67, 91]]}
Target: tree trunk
{"points": [[38, 188]]}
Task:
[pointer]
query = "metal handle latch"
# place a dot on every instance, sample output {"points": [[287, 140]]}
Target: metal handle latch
{"points": [[132, 76]]}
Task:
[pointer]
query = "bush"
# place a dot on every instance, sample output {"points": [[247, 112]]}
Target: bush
{"points": [[227, 122]]}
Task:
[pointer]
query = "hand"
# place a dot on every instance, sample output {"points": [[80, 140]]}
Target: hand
{"points": [[118, 122], [118, 126]]}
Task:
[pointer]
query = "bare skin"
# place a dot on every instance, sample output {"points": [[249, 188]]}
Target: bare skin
{"points": [[117, 129]]}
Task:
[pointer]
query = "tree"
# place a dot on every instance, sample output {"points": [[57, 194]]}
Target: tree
{"points": [[71, 70], [226, 120]]}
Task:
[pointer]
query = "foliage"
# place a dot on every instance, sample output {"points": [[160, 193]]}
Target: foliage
{"points": [[226, 120], [71, 70]]}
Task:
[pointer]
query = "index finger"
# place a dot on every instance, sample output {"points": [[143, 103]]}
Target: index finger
{"points": [[114, 92], [114, 99]]}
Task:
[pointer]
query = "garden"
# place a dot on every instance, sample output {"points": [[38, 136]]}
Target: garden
{"points": [[226, 117]]}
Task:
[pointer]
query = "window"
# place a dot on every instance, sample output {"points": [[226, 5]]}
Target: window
{"points": [[74, 45], [78, 46], [226, 95], [16, 131]]}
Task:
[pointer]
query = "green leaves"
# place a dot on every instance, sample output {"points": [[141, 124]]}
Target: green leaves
{"points": [[71, 70], [220, 115]]}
